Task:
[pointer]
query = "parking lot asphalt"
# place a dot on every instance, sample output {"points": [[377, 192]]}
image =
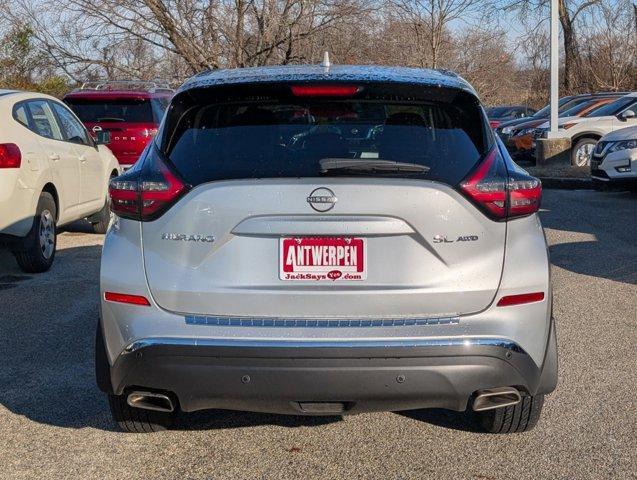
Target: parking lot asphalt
{"points": [[54, 423]]}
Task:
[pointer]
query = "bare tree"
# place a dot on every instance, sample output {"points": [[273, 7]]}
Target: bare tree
{"points": [[429, 22], [202, 34], [609, 54], [172, 39], [482, 58], [569, 12]]}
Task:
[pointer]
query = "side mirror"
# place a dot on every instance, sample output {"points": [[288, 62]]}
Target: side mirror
{"points": [[103, 137], [627, 115]]}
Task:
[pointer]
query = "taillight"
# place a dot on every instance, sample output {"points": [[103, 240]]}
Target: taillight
{"points": [[321, 90], [494, 123], [501, 194], [145, 193], [525, 194], [486, 186], [10, 155]]}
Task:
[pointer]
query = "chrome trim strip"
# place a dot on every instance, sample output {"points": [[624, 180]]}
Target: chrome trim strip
{"points": [[401, 343], [316, 322]]}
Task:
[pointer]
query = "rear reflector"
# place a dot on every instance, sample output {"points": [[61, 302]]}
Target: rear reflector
{"points": [[325, 90], [125, 298], [10, 155], [510, 300]]}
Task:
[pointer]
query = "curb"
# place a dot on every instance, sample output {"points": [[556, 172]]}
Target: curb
{"points": [[566, 183]]}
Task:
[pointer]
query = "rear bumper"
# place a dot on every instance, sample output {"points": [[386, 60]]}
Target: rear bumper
{"points": [[279, 377], [17, 205]]}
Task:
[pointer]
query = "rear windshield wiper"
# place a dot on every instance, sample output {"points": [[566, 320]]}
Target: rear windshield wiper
{"points": [[367, 164]]}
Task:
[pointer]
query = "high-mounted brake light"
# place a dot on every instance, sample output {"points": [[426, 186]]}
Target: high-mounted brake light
{"points": [[500, 194], [145, 194], [126, 298], [325, 90], [10, 155], [520, 299]]}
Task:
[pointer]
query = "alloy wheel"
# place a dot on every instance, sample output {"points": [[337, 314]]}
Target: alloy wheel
{"points": [[583, 154], [47, 234]]}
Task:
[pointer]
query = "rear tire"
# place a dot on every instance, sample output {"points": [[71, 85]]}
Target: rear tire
{"points": [[137, 420], [37, 252], [514, 419], [101, 219]]}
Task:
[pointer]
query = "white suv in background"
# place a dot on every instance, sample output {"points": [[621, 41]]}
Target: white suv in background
{"points": [[584, 132], [51, 173], [614, 160]]}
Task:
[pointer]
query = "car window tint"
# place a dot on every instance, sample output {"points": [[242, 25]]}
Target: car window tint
{"points": [[632, 106], [112, 110], [73, 130], [44, 122], [159, 107], [614, 108], [300, 138], [20, 114]]}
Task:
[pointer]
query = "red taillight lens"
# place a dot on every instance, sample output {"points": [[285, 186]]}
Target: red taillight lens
{"points": [[155, 195], [147, 193], [487, 185], [494, 123], [10, 155], [125, 298], [325, 90], [502, 194], [124, 197], [525, 194], [510, 300]]}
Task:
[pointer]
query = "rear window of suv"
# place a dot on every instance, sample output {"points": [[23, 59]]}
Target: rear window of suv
{"points": [[209, 138], [116, 110]]}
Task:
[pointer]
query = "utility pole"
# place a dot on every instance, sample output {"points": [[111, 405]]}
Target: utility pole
{"points": [[554, 149], [555, 67]]}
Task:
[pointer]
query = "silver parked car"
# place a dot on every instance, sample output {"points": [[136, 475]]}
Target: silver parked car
{"points": [[319, 240]]}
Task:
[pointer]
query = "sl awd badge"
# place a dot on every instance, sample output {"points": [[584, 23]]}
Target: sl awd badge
{"points": [[464, 238]]}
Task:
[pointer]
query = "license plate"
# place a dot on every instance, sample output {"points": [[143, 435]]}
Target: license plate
{"points": [[323, 259]]}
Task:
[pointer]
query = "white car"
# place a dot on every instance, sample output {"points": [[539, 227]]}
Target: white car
{"points": [[585, 132], [614, 160], [51, 173]]}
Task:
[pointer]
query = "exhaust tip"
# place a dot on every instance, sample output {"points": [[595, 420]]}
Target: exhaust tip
{"points": [[496, 398], [158, 402]]}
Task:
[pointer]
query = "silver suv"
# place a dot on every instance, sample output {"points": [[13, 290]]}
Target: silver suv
{"points": [[323, 241]]}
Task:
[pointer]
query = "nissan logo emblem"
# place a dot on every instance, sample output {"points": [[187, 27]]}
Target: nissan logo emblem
{"points": [[97, 128], [322, 199]]}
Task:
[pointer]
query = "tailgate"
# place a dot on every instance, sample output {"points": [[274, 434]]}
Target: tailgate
{"points": [[427, 250]]}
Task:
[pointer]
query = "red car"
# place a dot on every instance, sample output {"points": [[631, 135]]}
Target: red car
{"points": [[131, 111]]}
